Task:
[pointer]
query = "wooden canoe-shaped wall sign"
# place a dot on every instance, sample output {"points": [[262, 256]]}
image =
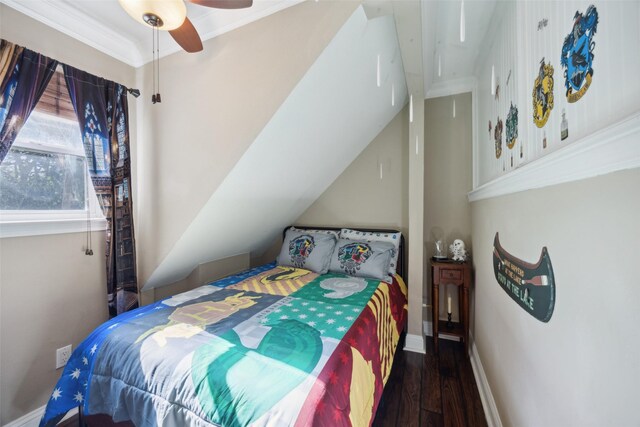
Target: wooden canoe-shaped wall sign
{"points": [[532, 286]]}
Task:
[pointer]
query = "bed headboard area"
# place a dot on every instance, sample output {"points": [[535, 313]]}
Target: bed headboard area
{"points": [[400, 268]]}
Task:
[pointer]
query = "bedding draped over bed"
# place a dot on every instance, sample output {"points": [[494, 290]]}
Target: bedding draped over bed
{"points": [[280, 346]]}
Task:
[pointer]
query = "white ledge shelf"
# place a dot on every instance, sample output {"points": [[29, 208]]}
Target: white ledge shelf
{"points": [[611, 149], [44, 227]]}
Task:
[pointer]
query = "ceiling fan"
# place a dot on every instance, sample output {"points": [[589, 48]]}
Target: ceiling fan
{"points": [[171, 15]]}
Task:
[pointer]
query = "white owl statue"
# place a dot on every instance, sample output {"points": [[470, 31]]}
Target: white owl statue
{"points": [[458, 250]]}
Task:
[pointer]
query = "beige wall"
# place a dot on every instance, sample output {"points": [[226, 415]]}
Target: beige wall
{"points": [[226, 95], [447, 180], [27, 32], [202, 275], [358, 197], [581, 368], [51, 294], [416, 281]]}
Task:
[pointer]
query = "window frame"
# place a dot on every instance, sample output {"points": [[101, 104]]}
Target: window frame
{"points": [[16, 223]]}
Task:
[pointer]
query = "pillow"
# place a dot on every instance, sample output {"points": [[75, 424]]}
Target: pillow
{"points": [[330, 232], [376, 236], [308, 250], [362, 259]]}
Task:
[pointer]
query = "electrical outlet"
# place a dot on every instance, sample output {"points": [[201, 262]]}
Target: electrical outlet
{"points": [[62, 356]]}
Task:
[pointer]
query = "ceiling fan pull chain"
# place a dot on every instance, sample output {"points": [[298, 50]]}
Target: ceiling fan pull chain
{"points": [[171, 16], [153, 60], [155, 50], [158, 99]]}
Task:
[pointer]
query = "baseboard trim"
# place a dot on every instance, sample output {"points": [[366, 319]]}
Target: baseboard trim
{"points": [[486, 396], [415, 343], [32, 419]]}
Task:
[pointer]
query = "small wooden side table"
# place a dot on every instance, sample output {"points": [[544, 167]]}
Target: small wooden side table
{"points": [[451, 273]]}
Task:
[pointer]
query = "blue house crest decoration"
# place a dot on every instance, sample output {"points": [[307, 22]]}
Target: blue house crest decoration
{"points": [[577, 54]]}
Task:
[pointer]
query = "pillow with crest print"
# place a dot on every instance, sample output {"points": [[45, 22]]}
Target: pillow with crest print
{"points": [[362, 259], [308, 250], [376, 236]]}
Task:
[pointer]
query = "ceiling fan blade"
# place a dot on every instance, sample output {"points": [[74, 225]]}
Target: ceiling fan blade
{"points": [[224, 4], [187, 37]]}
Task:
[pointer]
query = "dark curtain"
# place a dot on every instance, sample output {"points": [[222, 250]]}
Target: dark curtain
{"points": [[24, 75], [102, 110]]}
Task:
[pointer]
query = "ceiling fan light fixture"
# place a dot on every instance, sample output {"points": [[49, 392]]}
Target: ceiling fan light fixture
{"points": [[171, 13]]}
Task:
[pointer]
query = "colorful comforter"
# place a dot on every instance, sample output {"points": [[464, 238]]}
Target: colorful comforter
{"points": [[275, 346]]}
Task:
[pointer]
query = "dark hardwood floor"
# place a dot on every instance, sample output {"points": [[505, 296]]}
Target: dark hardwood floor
{"points": [[431, 390], [425, 390]]}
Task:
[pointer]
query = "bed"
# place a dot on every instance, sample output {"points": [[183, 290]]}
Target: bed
{"points": [[275, 345]]}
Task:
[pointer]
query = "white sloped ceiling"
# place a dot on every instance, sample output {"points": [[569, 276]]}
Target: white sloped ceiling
{"points": [[324, 124]]}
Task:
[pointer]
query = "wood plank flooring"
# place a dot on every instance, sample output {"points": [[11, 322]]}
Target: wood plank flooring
{"points": [[431, 390], [425, 390]]}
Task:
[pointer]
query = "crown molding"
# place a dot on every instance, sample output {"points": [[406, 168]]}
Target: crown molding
{"points": [[247, 18], [207, 20], [451, 87], [63, 17]]}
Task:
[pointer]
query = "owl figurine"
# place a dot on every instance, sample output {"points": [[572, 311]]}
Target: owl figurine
{"points": [[458, 251]]}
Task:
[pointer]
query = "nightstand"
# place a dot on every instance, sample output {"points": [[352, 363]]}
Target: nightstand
{"points": [[451, 273]]}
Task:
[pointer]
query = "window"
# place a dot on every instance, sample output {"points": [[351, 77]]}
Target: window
{"points": [[44, 179]]}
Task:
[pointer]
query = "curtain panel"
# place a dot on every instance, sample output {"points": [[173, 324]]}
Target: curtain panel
{"points": [[24, 75], [102, 110]]}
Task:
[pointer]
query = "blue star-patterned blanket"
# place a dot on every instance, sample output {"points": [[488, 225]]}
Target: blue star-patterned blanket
{"points": [[264, 347]]}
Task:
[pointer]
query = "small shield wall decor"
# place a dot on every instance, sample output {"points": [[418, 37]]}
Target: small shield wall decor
{"points": [[497, 137], [543, 94], [577, 54], [512, 126], [531, 286]]}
